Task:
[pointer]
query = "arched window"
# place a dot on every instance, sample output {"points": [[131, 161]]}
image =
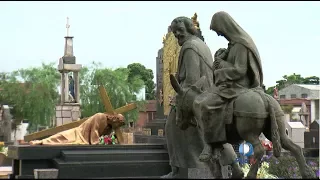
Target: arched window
{"points": [[287, 132]]}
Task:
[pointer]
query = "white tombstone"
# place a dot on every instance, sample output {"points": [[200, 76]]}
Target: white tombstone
{"points": [[295, 131]]}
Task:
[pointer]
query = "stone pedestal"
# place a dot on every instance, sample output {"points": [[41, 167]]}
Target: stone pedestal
{"points": [[69, 108], [67, 113]]}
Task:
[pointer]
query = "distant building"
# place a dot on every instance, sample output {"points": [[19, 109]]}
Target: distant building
{"points": [[296, 94], [148, 114]]}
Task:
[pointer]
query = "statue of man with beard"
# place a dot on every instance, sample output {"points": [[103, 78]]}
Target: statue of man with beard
{"points": [[185, 141]]}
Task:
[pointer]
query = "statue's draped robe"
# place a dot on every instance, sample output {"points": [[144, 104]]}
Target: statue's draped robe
{"points": [[185, 146], [240, 71], [87, 133]]}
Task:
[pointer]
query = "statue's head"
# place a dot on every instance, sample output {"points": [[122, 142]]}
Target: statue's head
{"points": [[183, 28], [116, 120], [224, 25]]}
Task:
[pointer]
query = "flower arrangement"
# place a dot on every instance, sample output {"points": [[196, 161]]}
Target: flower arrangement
{"points": [[267, 145], [3, 149], [108, 139], [263, 172]]}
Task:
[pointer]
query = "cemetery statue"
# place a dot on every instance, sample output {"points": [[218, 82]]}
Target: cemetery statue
{"points": [[71, 88], [237, 92], [236, 69], [195, 61], [88, 132]]}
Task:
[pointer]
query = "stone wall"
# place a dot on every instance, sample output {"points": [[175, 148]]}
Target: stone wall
{"points": [[67, 113]]}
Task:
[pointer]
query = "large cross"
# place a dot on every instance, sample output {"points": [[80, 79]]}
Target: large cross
{"points": [[108, 108]]}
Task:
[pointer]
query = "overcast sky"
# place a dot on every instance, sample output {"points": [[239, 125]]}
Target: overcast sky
{"points": [[287, 34]]}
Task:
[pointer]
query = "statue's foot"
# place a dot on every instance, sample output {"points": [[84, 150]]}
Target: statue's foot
{"points": [[171, 175], [35, 142]]}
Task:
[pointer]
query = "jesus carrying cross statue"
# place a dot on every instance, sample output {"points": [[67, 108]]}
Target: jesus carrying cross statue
{"points": [[87, 132]]}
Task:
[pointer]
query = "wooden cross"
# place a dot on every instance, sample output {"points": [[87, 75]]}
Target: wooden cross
{"points": [[108, 107], [67, 26]]}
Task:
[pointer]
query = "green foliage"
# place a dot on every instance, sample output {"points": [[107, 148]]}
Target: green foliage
{"points": [[287, 109], [120, 89], [3, 149], [137, 70], [270, 91], [34, 96], [33, 92], [287, 167], [293, 79], [263, 171]]}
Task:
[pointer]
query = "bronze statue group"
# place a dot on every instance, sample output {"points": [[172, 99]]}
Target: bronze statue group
{"points": [[221, 101]]}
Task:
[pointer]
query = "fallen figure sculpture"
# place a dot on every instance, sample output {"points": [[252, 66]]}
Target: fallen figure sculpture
{"points": [[88, 133]]}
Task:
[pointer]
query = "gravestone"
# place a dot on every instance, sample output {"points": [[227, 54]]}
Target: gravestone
{"points": [[69, 108], [311, 137], [159, 90], [295, 131], [153, 131], [5, 124]]}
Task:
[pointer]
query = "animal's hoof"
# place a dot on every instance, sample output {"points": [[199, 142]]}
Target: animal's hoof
{"points": [[309, 174], [204, 157], [167, 176]]}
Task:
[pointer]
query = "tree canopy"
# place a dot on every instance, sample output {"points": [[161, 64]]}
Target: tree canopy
{"points": [[293, 79], [33, 92], [120, 90], [137, 70]]}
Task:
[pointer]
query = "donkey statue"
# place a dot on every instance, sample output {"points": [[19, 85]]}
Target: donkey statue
{"points": [[254, 112]]}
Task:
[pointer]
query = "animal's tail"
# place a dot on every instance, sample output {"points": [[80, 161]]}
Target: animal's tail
{"points": [[275, 136]]}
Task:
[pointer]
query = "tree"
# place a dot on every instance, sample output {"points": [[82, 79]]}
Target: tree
{"points": [[311, 80], [137, 70], [33, 92], [34, 96], [293, 79], [120, 90]]}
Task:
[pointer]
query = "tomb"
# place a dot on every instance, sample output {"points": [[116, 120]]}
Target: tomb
{"points": [[311, 140], [89, 161], [295, 131]]}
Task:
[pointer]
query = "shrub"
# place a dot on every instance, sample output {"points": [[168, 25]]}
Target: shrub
{"points": [[287, 167], [3, 149]]}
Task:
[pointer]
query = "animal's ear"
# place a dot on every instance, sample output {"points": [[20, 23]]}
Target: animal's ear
{"points": [[199, 84], [176, 86]]}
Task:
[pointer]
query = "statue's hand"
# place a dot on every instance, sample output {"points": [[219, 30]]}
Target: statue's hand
{"points": [[219, 52], [217, 62]]}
